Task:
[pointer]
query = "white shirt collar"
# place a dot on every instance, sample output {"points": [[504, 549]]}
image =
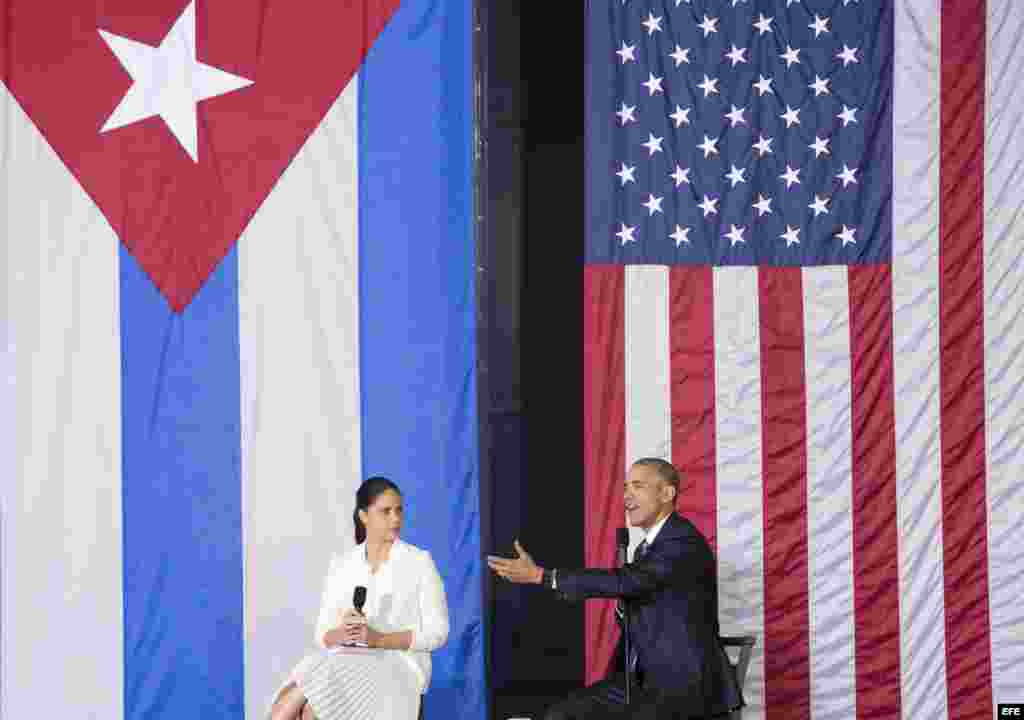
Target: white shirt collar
{"points": [[653, 532], [396, 549]]}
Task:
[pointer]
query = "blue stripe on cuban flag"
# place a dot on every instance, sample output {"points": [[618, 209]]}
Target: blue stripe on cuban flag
{"points": [[181, 498], [193, 532], [418, 310]]}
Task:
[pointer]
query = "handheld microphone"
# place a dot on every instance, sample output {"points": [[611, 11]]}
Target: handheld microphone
{"points": [[358, 601], [621, 552], [622, 607], [622, 543]]}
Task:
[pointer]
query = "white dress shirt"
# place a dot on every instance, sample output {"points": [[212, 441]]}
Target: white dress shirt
{"points": [[406, 593], [655, 529], [649, 535]]}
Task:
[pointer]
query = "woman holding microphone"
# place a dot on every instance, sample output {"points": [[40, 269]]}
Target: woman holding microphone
{"points": [[374, 664]]}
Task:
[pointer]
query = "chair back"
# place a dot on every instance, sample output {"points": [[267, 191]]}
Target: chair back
{"points": [[746, 645]]}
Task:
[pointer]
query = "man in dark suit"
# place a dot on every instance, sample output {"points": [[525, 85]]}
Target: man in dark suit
{"points": [[680, 669]]}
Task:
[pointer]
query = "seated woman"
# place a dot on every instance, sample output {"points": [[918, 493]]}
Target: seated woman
{"points": [[404, 618]]}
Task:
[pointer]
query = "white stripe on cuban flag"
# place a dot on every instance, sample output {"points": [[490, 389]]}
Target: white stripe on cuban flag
{"points": [[1004, 347], [61, 628], [298, 274]]}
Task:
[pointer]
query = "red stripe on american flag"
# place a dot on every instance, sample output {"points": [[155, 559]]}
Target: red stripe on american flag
{"points": [[784, 422], [604, 445], [961, 333], [875, 534], [692, 350]]}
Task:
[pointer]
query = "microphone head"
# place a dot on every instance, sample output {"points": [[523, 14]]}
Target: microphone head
{"points": [[622, 537], [359, 598]]}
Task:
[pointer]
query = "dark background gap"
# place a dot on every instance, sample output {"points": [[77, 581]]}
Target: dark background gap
{"points": [[531, 261]]}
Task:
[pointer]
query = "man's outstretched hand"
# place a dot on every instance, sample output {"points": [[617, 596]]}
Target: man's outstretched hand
{"points": [[521, 569]]}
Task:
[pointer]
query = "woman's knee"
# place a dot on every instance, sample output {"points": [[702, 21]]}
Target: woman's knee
{"points": [[289, 703], [284, 693]]}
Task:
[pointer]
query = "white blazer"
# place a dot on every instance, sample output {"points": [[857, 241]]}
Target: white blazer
{"points": [[406, 593]]}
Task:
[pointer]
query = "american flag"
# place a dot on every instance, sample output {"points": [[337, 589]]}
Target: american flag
{"points": [[802, 287]]}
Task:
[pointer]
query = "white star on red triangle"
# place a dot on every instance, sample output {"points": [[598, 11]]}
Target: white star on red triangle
{"points": [[168, 81]]}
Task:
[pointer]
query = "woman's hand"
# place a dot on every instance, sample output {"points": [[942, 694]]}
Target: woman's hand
{"points": [[362, 633], [354, 629], [352, 617], [353, 626]]}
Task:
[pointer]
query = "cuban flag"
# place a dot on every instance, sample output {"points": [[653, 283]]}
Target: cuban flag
{"points": [[237, 280]]}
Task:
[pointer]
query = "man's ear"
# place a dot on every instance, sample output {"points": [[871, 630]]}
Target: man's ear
{"points": [[672, 495]]}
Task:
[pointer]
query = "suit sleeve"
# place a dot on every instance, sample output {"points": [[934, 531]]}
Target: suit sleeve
{"points": [[666, 564]]}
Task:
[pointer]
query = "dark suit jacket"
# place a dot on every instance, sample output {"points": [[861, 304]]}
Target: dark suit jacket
{"points": [[673, 600]]}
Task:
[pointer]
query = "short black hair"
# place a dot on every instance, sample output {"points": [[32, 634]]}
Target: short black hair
{"points": [[665, 470]]}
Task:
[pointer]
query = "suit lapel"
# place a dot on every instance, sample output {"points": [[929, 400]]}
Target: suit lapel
{"points": [[673, 527]]}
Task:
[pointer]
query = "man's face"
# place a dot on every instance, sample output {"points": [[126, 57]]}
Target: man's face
{"points": [[645, 496]]}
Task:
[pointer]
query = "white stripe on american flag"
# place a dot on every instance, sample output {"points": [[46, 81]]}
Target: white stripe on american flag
{"points": [[648, 399], [1004, 346], [916, 359], [829, 493], [740, 500]]}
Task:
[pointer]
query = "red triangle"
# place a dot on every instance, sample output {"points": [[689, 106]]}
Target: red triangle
{"points": [[179, 218]]}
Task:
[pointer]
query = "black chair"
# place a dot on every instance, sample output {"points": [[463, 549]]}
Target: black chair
{"points": [[746, 645]]}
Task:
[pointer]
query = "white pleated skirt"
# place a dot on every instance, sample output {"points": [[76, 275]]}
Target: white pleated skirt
{"points": [[359, 685]]}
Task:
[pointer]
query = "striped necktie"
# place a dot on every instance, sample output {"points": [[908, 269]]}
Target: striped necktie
{"points": [[641, 550]]}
